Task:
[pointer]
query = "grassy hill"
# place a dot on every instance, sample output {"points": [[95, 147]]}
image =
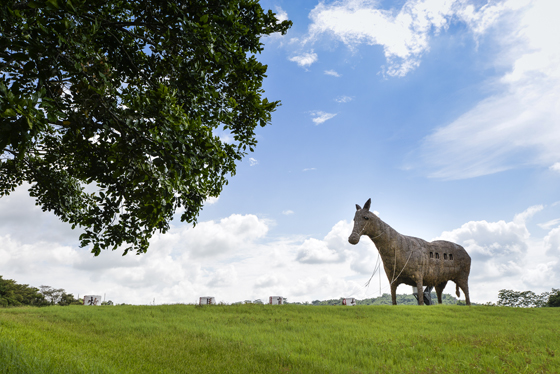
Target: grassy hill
{"points": [[256, 338]]}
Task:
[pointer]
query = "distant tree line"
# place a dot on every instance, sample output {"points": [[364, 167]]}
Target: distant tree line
{"points": [[529, 299], [385, 299], [14, 294]]}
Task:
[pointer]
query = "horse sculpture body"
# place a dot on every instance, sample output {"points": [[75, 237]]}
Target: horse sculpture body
{"points": [[411, 260]]}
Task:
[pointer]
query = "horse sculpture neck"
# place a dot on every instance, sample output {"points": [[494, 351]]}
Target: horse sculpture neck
{"points": [[383, 236], [394, 248]]}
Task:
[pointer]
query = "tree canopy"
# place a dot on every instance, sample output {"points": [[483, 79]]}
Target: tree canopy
{"points": [[13, 294], [528, 299], [109, 109], [554, 298]]}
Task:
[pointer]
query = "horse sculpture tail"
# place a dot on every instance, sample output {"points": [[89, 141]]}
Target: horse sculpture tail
{"points": [[457, 291]]}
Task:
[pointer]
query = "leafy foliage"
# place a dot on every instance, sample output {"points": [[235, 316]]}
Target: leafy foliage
{"points": [[58, 296], [554, 298], [123, 98], [52, 295], [525, 299], [13, 294], [385, 299]]}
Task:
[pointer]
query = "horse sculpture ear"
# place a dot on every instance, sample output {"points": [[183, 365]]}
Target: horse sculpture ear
{"points": [[367, 204], [358, 207]]}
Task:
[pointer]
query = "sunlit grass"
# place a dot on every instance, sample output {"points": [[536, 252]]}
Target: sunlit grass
{"points": [[278, 339]]}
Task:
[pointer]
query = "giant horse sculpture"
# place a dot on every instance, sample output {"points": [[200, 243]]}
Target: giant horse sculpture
{"points": [[411, 260]]}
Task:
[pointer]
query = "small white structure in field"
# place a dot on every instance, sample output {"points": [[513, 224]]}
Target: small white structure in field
{"points": [[276, 300], [349, 301], [92, 300], [207, 300]]}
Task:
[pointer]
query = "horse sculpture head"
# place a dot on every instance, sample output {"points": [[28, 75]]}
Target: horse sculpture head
{"points": [[362, 219]]}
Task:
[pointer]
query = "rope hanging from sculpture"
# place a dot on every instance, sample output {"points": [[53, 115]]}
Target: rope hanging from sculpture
{"points": [[375, 269], [378, 264], [394, 279]]}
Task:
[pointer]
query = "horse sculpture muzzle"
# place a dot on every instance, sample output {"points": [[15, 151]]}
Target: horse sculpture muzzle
{"points": [[354, 237]]}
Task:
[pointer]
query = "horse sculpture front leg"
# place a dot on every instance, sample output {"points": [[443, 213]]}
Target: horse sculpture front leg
{"points": [[420, 286], [394, 292]]}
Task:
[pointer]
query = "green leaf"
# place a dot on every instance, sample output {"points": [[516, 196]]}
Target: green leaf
{"points": [[54, 3], [9, 113]]}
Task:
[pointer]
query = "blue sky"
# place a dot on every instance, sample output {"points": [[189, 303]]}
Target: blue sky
{"points": [[444, 112]]}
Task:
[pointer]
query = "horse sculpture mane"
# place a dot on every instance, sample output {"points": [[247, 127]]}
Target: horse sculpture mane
{"points": [[411, 260]]}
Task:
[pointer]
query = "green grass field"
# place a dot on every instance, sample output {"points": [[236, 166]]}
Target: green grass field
{"points": [[279, 339]]}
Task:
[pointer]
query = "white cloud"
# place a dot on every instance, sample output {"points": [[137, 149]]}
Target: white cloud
{"points": [[235, 258], [539, 277], [490, 240], [504, 255], [538, 30], [281, 14], [552, 242], [482, 19], [495, 241], [232, 259], [26, 222], [287, 212], [548, 225], [321, 117], [309, 169], [327, 283], [403, 35], [253, 161], [525, 216], [210, 238], [305, 59], [224, 135], [517, 126], [212, 200], [504, 131], [223, 277], [334, 248], [332, 72], [343, 99], [314, 251], [267, 281]]}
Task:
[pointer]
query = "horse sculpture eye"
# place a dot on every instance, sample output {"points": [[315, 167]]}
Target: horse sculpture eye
{"points": [[366, 218]]}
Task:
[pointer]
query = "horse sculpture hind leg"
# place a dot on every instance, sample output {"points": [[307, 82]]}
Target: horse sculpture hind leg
{"points": [[464, 285], [439, 291]]}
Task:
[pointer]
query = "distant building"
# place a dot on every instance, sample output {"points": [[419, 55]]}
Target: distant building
{"points": [[92, 300], [276, 300], [207, 300], [349, 301]]}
